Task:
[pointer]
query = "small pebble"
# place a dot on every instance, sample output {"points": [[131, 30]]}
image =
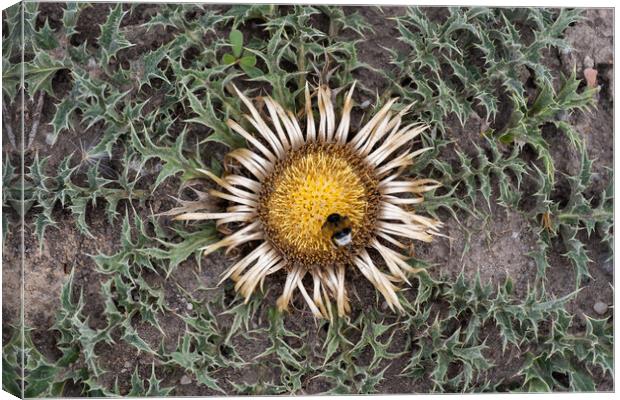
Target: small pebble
{"points": [[600, 308], [590, 75], [561, 116], [186, 380], [515, 235], [49, 139], [92, 63], [190, 306], [127, 365], [365, 104]]}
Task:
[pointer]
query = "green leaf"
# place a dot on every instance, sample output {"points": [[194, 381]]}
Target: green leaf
{"points": [[36, 388], [45, 38], [179, 252], [154, 389], [40, 72], [112, 39], [71, 15], [11, 77], [236, 41], [174, 159], [60, 121], [247, 61], [581, 382], [536, 385], [252, 72], [203, 378], [10, 378], [137, 384], [131, 337], [208, 117], [147, 66], [228, 59]]}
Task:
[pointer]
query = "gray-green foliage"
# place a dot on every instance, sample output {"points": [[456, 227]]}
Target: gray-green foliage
{"points": [[565, 354], [152, 115], [451, 48], [45, 192], [11, 196], [525, 125], [462, 64], [42, 377], [577, 219]]}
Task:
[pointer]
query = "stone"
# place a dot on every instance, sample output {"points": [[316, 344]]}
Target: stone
{"points": [[561, 115], [590, 75], [50, 139], [186, 380], [190, 306], [600, 308]]}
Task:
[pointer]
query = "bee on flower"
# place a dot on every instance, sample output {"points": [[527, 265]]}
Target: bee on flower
{"points": [[317, 201]]}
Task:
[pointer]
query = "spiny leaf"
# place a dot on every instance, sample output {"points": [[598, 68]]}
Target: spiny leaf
{"points": [[207, 116], [60, 121], [40, 71], [147, 67], [70, 16], [112, 39], [133, 338], [137, 384], [154, 389], [174, 160]]}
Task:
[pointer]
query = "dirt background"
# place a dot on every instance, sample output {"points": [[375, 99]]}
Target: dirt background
{"points": [[499, 253]]}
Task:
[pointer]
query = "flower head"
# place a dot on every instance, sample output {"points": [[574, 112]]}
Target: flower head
{"points": [[319, 202]]}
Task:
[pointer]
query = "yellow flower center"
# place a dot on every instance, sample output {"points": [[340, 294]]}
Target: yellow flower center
{"points": [[308, 186], [308, 191]]}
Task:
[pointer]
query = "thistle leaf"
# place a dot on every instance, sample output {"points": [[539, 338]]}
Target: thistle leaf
{"points": [[112, 39]]}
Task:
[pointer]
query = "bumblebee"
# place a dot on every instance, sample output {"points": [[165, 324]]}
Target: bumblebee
{"points": [[338, 229]]}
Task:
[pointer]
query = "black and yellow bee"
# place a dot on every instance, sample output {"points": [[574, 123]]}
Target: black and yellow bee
{"points": [[338, 229]]}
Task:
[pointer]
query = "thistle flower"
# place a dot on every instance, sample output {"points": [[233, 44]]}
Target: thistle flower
{"points": [[283, 189]]}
